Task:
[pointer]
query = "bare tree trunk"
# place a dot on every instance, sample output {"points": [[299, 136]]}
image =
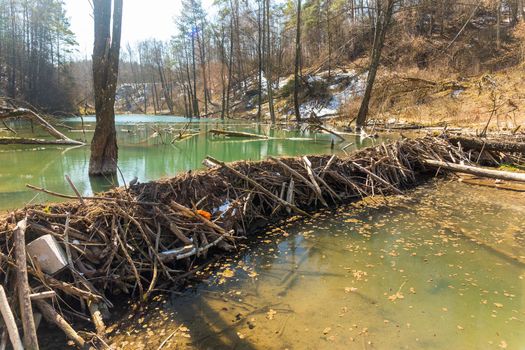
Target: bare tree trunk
{"points": [[498, 25], [194, 68], [106, 52], [230, 65], [297, 63], [269, 64], [383, 18], [260, 42]]}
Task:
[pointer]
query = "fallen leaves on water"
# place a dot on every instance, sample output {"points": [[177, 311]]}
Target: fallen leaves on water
{"points": [[185, 331], [396, 296], [270, 314], [228, 273]]}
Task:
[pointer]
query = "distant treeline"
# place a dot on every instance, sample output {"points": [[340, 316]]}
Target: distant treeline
{"points": [[35, 47]]}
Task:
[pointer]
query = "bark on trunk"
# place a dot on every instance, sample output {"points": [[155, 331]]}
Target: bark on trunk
{"points": [[382, 22], [106, 51], [488, 145], [490, 173], [297, 63]]}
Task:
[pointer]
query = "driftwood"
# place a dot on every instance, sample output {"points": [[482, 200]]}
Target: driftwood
{"points": [[32, 141], [51, 316], [24, 290], [320, 127], [485, 182], [237, 134], [9, 321], [490, 173], [27, 113], [488, 145]]}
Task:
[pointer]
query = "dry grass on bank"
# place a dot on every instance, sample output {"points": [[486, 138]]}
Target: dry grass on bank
{"points": [[436, 98]]}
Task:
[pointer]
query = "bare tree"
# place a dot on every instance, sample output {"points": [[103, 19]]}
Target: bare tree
{"points": [[106, 51], [384, 12], [297, 63]]}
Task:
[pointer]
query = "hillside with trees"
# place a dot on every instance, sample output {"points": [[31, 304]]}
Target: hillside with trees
{"points": [[262, 59], [36, 44], [246, 55]]}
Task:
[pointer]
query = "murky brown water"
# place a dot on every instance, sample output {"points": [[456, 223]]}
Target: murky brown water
{"points": [[402, 276]]}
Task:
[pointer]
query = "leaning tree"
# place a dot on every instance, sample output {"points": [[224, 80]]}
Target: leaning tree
{"points": [[106, 51]]}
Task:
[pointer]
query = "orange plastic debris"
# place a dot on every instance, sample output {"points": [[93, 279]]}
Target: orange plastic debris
{"points": [[204, 213]]}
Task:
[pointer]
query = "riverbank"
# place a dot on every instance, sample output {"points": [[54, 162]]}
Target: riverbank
{"points": [[143, 238]]}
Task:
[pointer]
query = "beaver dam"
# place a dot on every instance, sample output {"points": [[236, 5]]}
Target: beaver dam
{"points": [[152, 237]]}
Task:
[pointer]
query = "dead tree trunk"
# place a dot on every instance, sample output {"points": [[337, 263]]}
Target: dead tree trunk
{"points": [[385, 10], [297, 63], [490, 173], [106, 51], [269, 80], [488, 145]]}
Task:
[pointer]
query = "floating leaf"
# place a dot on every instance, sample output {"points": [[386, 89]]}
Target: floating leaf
{"points": [[270, 314], [228, 273]]}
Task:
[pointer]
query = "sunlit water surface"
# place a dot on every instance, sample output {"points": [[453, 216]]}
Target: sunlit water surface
{"points": [[146, 151], [375, 276]]}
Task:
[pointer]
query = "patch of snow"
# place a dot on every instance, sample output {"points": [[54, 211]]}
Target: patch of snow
{"points": [[456, 93], [314, 78], [355, 88], [222, 208], [283, 82]]}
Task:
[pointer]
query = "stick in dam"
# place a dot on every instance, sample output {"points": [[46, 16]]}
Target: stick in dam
{"points": [[493, 174]]}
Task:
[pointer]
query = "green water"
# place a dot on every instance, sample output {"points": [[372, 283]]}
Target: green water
{"points": [[396, 276], [141, 154]]}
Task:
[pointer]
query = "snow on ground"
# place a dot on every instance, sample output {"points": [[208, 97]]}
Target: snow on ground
{"points": [[354, 88]]}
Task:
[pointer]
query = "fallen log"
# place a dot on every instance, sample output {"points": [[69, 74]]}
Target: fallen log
{"points": [[320, 127], [485, 182], [488, 145], [32, 141], [27, 113], [490, 173], [237, 134]]}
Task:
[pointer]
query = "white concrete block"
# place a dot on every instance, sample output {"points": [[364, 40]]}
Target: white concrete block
{"points": [[48, 253]]}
